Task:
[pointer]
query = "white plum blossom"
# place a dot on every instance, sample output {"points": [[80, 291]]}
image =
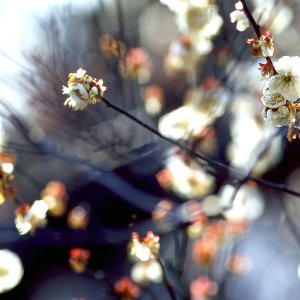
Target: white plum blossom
{"points": [[12, 270], [204, 21], [28, 218], [272, 100], [287, 81], [282, 116], [74, 101], [83, 90], [238, 16]]}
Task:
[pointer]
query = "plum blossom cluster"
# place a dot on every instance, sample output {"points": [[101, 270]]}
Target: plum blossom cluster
{"points": [[83, 90], [281, 92], [144, 252], [282, 81], [192, 123], [198, 23]]}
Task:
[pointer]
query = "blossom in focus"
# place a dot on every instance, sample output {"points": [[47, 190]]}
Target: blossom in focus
{"points": [[203, 288], [126, 288], [287, 81], [11, 270], [281, 116], [272, 100], [83, 90], [238, 16], [144, 249], [262, 47], [30, 217], [78, 259]]}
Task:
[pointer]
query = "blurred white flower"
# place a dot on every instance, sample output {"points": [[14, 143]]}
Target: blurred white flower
{"points": [[203, 106], [28, 218], [11, 270], [238, 16], [181, 122], [185, 179], [202, 20], [248, 134], [147, 272], [247, 204]]}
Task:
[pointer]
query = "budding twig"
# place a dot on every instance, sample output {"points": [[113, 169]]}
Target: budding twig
{"points": [[255, 26]]}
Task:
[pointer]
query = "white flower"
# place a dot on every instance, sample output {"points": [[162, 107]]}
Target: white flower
{"points": [[204, 21], [146, 272], [74, 101], [248, 203], [272, 100], [240, 17], [182, 122], [83, 90], [29, 218], [287, 81], [11, 270], [188, 180], [279, 117]]}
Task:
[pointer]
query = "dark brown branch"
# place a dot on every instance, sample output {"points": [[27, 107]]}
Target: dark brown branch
{"points": [[254, 25], [237, 174]]}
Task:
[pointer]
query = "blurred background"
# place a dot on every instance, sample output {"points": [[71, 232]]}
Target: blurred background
{"points": [[179, 66]]}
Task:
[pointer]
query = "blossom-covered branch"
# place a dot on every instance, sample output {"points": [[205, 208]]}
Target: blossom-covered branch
{"points": [[75, 88], [282, 79]]}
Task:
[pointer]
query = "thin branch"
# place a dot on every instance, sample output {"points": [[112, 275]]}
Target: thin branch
{"points": [[254, 24], [236, 173]]}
